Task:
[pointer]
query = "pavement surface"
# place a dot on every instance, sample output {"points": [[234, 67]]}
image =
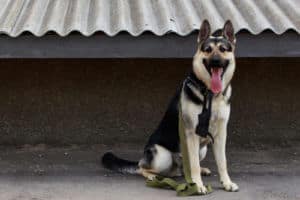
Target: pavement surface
{"points": [[62, 173]]}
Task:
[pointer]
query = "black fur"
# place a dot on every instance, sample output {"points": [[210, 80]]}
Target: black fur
{"points": [[166, 134]]}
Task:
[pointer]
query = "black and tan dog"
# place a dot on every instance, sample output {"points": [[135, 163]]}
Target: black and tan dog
{"points": [[204, 102]]}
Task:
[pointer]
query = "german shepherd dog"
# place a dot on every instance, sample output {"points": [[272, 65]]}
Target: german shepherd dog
{"points": [[204, 101]]}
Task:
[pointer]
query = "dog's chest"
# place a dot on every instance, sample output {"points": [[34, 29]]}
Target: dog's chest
{"points": [[220, 111], [219, 108]]}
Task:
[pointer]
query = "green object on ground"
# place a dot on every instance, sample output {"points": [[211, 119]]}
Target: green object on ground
{"points": [[183, 189]]}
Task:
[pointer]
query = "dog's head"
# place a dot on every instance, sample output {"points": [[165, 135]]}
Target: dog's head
{"points": [[214, 61]]}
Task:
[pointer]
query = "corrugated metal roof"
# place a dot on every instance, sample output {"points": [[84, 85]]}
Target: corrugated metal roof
{"points": [[137, 16]]}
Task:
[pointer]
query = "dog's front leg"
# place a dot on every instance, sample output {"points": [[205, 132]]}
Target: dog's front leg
{"points": [[219, 147], [193, 144]]}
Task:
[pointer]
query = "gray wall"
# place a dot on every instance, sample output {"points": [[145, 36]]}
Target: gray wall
{"points": [[109, 101], [146, 45]]}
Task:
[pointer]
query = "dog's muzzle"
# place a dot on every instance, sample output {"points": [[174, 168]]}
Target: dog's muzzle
{"points": [[216, 67]]}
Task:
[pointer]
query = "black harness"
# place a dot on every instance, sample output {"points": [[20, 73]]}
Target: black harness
{"points": [[205, 115]]}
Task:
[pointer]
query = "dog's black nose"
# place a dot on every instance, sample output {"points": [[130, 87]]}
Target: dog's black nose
{"points": [[215, 61]]}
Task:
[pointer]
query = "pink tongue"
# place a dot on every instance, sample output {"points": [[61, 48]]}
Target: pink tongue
{"points": [[216, 82]]}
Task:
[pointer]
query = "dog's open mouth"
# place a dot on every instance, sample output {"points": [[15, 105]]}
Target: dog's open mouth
{"points": [[216, 81]]}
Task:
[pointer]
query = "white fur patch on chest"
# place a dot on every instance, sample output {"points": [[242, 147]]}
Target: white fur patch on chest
{"points": [[220, 111]]}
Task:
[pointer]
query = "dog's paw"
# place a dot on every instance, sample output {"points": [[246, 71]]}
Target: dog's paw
{"points": [[231, 187], [205, 171], [151, 177], [202, 189]]}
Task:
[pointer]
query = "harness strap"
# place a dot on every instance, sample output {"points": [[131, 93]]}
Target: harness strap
{"points": [[202, 128]]}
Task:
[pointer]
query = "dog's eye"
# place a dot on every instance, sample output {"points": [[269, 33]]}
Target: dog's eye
{"points": [[222, 48], [207, 49]]}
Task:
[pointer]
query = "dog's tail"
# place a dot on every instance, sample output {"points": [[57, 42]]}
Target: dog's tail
{"points": [[112, 162]]}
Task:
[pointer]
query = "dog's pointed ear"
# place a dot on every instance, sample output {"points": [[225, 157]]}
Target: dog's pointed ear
{"points": [[228, 31], [204, 31]]}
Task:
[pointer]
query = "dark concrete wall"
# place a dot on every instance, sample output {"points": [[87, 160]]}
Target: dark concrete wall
{"points": [[109, 101]]}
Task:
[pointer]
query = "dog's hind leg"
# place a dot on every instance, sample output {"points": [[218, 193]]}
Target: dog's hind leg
{"points": [[147, 174], [202, 153], [156, 160], [177, 169]]}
